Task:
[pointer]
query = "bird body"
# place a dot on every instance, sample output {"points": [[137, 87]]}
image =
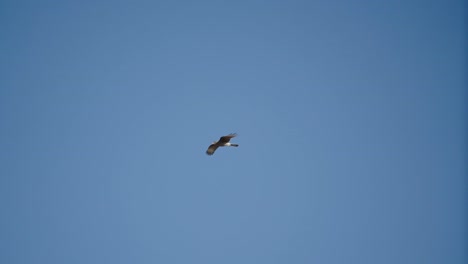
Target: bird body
{"points": [[222, 142]]}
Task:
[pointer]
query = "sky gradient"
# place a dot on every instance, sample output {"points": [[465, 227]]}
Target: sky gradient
{"points": [[351, 118]]}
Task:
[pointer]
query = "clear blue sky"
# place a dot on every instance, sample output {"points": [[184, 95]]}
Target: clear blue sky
{"points": [[351, 118]]}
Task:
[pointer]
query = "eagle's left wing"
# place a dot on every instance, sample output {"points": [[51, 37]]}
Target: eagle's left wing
{"points": [[211, 149]]}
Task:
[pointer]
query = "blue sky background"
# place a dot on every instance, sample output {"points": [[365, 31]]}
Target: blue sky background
{"points": [[351, 118]]}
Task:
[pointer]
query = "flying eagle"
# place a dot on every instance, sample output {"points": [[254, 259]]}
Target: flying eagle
{"points": [[222, 142]]}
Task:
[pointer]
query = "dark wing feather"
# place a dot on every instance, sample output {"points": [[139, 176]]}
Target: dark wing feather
{"points": [[226, 139], [211, 149]]}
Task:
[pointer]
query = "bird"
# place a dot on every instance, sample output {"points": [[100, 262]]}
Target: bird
{"points": [[222, 142]]}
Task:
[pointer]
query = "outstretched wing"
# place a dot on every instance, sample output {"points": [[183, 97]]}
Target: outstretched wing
{"points": [[211, 149], [226, 139]]}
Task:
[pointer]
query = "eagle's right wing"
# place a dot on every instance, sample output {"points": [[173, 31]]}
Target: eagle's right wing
{"points": [[226, 139]]}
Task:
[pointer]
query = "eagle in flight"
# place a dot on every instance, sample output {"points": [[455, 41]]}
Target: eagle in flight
{"points": [[222, 142]]}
